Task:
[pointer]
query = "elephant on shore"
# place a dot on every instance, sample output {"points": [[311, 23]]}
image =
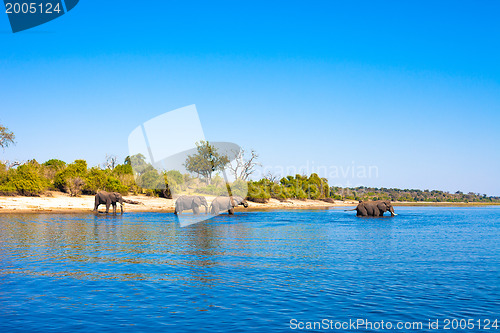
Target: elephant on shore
{"points": [[190, 202], [111, 198], [374, 208], [227, 203]]}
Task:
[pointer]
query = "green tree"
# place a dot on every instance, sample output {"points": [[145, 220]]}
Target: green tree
{"points": [[77, 169], [206, 161], [26, 179], [6, 137]]}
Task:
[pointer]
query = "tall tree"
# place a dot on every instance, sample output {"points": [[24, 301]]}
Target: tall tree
{"points": [[206, 161], [6, 137], [243, 166]]}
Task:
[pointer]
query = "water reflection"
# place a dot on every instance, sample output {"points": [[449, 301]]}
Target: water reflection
{"points": [[264, 268]]}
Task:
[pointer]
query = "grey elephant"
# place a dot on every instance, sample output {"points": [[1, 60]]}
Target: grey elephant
{"points": [[111, 198], [227, 203], [374, 208], [190, 202]]}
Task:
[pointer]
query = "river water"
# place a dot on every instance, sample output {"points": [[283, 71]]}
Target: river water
{"points": [[251, 272]]}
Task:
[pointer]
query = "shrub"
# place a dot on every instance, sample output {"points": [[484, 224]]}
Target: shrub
{"points": [[76, 169], [55, 164], [258, 192], [114, 185], [151, 180], [240, 188], [95, 180], [25, 180], [74, 186], [212, 189], [123, 169], [175, 176]]}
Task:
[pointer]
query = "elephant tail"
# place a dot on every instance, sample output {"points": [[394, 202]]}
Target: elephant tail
{"points": [[132, 202]]}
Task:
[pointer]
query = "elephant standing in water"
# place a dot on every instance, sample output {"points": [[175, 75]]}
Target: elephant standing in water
{"points": [[374, 208], [111, 198], [227, 203], [190, 202]]}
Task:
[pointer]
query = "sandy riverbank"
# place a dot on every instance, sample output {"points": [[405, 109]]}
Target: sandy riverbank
{"points": [[56, 202]]}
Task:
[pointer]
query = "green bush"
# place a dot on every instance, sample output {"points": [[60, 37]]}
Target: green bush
{"points": [[55, 164], [95, 180], [240, 188], [123, 169], [212, 190], [114, 185], [151, 179], [76, 169], [258, 192], [25, 180], [175, 176]]}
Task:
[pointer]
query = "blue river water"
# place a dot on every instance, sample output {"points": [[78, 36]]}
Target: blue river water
{"points": [[274, 271]]}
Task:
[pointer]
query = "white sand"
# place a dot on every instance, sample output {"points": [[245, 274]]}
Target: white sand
{"points": [[60, 202]]}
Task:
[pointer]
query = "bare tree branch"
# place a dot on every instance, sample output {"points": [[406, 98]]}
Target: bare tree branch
{"points": [[242, 168], [6, 137], [111, 161], [272, 178]]}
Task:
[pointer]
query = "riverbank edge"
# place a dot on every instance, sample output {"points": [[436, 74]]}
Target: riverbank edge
{"points": [[63, 204]]}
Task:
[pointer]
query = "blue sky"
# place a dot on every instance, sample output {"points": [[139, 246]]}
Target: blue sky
{"points": [[412, 88]]}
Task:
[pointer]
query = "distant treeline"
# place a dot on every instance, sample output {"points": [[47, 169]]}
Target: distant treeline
{"points": [[395, 194], [32, 179], [314, 187]]}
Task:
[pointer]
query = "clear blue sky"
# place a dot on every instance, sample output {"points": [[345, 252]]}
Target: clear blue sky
{"points": [[412, 88]]}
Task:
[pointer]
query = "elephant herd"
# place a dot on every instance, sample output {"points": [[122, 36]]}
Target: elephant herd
{"points": [[185, 202], [228, 203], [219, 204]]}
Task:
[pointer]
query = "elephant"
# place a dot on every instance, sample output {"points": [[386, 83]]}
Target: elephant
{"points": [[227, 203], [111, 198], [193, 202], [374, 208]]}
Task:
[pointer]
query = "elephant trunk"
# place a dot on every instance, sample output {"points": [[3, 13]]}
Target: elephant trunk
{"points": [[392, 211]]}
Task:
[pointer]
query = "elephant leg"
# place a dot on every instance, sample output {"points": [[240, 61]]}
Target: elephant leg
{"points": [[362, 211], [107, 207], [114, 208], [231, 211], [196, 210], [96, 205], [121, 208]]}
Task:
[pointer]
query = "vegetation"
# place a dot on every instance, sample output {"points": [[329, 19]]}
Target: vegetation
{"points": [[394, 194], [137, 176], [32, 178], [6, 137], [206, 161], [298, 187]]}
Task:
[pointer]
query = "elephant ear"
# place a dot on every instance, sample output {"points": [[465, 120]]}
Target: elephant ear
{"points": [[197, 201], [233, 202], [382, 206]]}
